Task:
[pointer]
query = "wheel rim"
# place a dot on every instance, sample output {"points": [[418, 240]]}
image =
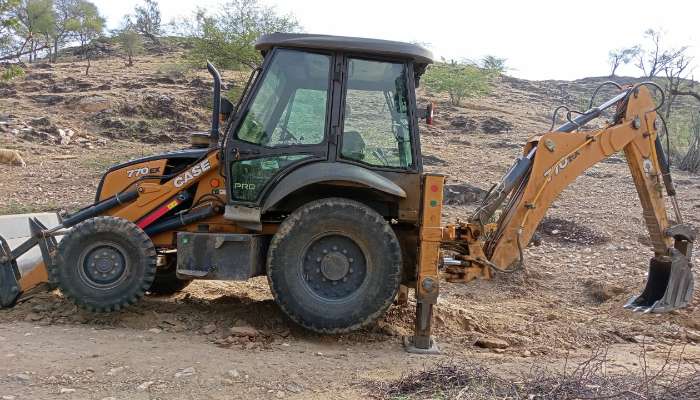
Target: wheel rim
{"points": [[334, 267], [103, 265]]}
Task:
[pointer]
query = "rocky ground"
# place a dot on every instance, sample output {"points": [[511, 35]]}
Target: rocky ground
{"points": [[221, 340]]}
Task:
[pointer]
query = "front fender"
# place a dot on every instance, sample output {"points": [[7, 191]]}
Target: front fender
{"points": [[325, 172]]}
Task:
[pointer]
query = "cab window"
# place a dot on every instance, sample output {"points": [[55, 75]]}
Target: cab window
{"points": [[290, 105], [376, 124]]}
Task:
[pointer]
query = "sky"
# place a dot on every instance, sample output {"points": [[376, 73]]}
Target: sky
{"points": [[540, 39]]}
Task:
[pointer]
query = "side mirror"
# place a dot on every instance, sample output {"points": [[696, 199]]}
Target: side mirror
{"points": [[428, 114], [226, 109]]}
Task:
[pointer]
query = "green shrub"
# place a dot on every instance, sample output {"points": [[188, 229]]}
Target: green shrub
{"points": [[227, 37], [11, 72], [460, 81]]}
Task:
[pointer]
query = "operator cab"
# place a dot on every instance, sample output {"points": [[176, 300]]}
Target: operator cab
{"points": [[326, 114]]}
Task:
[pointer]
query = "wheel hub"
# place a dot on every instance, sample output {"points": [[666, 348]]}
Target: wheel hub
{"points": [[103, 265], [334, 267]]}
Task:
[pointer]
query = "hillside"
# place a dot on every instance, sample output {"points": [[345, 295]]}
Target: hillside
{"points": [[594, 255]]}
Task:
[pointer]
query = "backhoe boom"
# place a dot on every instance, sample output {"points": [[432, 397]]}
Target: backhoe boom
{"points": [[554, 160]]}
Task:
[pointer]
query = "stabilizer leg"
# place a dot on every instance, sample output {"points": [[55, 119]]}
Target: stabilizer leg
{"points": [[422, 341]]}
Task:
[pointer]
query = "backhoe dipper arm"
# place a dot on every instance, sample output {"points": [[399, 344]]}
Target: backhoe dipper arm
{"points": [[557, 159], [561, 157]]}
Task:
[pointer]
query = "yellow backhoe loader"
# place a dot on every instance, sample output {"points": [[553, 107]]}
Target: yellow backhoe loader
{"points": [[317, 182]]}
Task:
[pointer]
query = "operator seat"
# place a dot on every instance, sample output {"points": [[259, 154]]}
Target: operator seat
{"points": [[353, 145]]}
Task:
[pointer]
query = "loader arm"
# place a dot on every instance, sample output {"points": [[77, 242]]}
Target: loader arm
{"points": [[553, 161]]}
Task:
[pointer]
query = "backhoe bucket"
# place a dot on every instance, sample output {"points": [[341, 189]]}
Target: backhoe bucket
{"points": [[669, 285]]}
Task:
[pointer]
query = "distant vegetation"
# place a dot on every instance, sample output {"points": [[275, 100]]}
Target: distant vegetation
{"points": [[463, 80], [38, 29], [227, 36], [672, 68]]}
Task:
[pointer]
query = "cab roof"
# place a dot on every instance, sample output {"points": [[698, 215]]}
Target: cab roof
{"points": [[418, 54]]}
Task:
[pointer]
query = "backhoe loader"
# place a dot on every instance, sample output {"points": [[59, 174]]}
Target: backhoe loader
{"points": [[317, 182]]}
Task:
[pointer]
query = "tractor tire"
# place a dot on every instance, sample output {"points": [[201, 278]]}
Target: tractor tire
{"points": [[105, 264], [334, 265], [166, 281]]}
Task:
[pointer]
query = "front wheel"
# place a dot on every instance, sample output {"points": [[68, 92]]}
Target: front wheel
{"points": [[334, 265], [106, 263]]}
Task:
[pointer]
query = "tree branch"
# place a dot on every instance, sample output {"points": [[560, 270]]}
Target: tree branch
{"points": [[686, 93], [22, 53]]}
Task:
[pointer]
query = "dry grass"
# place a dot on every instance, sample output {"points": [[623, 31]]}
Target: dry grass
{"points": [[588, 380]]}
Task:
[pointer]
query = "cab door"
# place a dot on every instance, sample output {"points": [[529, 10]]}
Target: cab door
{"points": [[283, 124]]}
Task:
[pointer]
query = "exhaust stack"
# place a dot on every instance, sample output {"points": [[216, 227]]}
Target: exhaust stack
{"points": [[216, 105]]}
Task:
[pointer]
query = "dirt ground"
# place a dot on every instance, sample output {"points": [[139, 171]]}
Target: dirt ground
{"points": [[219, 340]]}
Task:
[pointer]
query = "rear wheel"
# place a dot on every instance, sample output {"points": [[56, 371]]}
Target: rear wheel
{"points": [[334, 265], [106, 263]]}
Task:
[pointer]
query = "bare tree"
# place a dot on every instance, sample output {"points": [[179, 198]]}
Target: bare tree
{"points": [[35, 22], [65, 23], [653, 58], [677, 72], [621, 56], [147, 20], [130, 40], [89, 25], [691, 160]]}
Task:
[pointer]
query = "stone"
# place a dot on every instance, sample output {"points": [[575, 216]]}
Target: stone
{"points": [[209, 329], [491, 343], [144, 386], [22, 377], [465, 123], [294, 387], [65, 136], [495, 125], [185, 372], [232, 373], [462, 194], [244, 331], [41, 121], [93, 104], [693, 336], [641, 339], [8, 397], [33, 317], [48, 99], [115, 371], [155, 330], [66, 391], [280, 394]]}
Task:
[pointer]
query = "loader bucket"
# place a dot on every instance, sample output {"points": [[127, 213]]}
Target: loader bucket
{"points": [[9, 276], [26, 271], [669, 285]]}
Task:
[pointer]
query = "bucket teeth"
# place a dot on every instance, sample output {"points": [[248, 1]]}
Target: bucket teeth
{"points": [[669, 286]]}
